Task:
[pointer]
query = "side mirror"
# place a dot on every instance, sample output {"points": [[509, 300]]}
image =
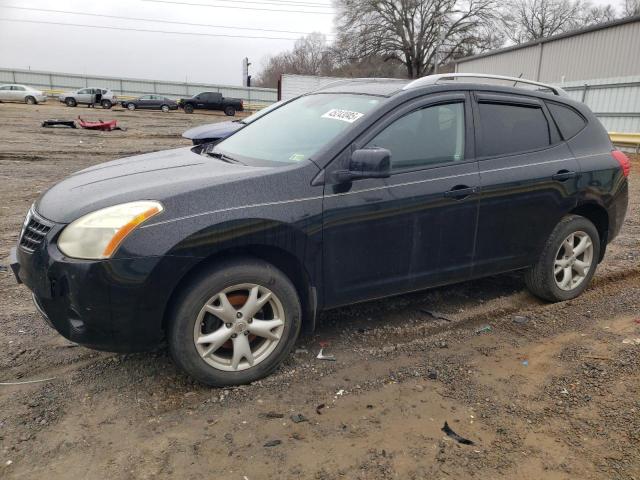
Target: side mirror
{"points": [[367, 163]]}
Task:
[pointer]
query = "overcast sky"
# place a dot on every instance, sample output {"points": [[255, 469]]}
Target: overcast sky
{"points": [[153, 55]]}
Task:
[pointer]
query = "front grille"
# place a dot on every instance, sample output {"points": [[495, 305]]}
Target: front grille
{"points": [[33, 234]]}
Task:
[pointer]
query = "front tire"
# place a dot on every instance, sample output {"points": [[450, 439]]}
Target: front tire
{"points": [[131, 106], [164, 108], [71, 102], [188, 108], [234, 323], [568, 261]]}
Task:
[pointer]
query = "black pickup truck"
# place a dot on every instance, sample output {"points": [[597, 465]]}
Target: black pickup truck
{"points": [[211, 101]]}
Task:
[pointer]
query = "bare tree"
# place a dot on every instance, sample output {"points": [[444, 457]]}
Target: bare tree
{"points": [[598, 14], [417, 33], [309, 56], [526, 20], [631, 8]]}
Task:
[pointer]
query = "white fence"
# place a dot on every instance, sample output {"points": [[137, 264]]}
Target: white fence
{"points": [[54, 82]]}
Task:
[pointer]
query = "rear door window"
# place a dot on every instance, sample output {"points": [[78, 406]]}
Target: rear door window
{"points": [[568, 120], [424, 137], [509, 128]]}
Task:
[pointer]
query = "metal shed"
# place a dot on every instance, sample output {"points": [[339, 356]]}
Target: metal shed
{"points": [[599, 66]]}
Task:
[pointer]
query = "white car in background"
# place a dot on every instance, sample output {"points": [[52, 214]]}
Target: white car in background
{"points": [[87, 96], [22, 94]]}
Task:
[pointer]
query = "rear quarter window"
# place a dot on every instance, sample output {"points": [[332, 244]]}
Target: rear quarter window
{"points": [[569, 121], [509, 128]]}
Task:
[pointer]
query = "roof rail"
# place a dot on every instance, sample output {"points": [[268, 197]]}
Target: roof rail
{"points": [[433, 79]]}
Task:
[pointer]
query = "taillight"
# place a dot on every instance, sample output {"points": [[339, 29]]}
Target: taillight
{"points": [[623, 160]]}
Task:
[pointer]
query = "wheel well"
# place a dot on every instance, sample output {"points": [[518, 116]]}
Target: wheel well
{"points": [[600, 218], [277, 257]]}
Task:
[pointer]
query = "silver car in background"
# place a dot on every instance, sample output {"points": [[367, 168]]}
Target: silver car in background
{"points": [[22, 94], [87, 96]]}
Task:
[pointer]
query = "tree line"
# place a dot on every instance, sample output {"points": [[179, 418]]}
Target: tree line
{"points": [[413, 38]]}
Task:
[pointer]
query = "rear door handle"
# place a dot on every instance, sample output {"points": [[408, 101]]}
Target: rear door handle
{"points": [[460, 191], [564, 175]]}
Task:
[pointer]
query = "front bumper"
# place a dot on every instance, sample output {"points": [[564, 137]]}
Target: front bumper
{"points": [[115, 305]]}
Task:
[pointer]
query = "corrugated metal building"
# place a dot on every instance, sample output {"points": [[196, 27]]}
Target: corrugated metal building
{"points": [[599, 65]]}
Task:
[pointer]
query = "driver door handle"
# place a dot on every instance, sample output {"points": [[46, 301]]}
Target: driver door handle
{"points": [[460, 191]]}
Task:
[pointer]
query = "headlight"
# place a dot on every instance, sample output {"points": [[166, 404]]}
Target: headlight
{"points": [[98, 234]]}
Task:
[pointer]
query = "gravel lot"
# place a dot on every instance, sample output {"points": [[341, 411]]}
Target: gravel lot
{"points": [[548, 391]]}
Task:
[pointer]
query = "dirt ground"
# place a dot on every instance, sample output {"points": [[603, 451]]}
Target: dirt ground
{"points": [[545, 391]]}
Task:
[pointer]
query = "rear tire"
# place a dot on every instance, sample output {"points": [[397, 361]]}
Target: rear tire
{"points": [[213, 303], [70, 102], [106, 104], [164, 108], [131, 106], [188, 108], [229, 111], [29, 100], [568, 261]]}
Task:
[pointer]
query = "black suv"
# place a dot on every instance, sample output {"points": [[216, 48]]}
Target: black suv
{"points": [[360, 190]]}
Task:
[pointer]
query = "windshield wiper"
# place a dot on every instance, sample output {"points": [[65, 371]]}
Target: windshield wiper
{"points": [[223, 157]]}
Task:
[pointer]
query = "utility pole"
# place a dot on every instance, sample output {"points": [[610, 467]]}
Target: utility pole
{"points": [[246, 78]]}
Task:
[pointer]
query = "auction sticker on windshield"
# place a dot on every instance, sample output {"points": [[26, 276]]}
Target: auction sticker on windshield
{"points": [[344, 115]]}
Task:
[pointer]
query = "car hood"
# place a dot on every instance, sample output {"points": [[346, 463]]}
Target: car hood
{"points": [[212, 130], [154, 176]]}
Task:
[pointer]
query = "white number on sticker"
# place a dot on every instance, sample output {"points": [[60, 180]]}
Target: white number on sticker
{"points": [[344, 115]]}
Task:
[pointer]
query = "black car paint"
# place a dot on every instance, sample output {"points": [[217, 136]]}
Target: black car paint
{"points": [[341, 242]]}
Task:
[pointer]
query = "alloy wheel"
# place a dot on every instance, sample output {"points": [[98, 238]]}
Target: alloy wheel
{"points": [[239, 327], [573, 260]]}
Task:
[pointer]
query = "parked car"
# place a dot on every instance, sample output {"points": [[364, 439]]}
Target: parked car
{"points": [[357, 191], [214, 132], [211, 101], [151, 102], [22, 94], [87, 96]]}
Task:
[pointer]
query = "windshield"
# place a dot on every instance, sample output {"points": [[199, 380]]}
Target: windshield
{"points": [[254, 116], [297, 130]]}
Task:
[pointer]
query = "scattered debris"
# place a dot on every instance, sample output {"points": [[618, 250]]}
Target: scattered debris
{"points": [[370, 407], [631, 341], [298, 418], [273, 443], [271, 415], [450, 433], [9, 462], [483, 329], [28, 381], [432, 374], [99, 125], [302, 351], [520, 319], [564, 391], [319, 408], [340, 392], [322, 356], [435, 314], [3, 268], [525, 363], [59, 123]]}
